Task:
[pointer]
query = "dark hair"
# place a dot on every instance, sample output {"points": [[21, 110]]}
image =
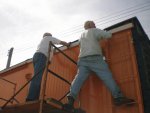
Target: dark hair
{"points": [[47, 34]]}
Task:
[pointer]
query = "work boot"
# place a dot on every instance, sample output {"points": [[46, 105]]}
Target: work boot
{"points": [[123, 101], [70, 105]]}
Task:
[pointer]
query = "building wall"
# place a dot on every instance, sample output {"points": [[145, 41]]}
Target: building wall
{"points": [[94, 97], [19, 77]]}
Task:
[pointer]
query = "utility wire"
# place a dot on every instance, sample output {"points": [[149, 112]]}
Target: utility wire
{"points": [[24, 49], [99, 21], [116, 16], [148, 8], [113, 14], [105, 18], [107, 21]]}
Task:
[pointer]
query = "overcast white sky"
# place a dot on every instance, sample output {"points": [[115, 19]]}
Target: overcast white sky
{"points": [[23, 22]]}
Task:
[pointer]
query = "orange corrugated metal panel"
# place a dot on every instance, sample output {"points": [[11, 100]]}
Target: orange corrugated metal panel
{"points": [[62, 66], [94, 97], [8, 88], [17, 76]]}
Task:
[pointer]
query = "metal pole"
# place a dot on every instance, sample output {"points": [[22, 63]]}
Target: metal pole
{"points": [[56, 75], [9, 57], [7, 81]]}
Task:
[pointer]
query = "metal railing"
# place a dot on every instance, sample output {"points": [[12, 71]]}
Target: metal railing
{"points": [[9, 100], [14, 89]]}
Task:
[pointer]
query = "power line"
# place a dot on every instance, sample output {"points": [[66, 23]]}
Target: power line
{"points": [[100, 23], [119, 18], [112, 14], [107, 21], [19, 50], [124, 16], [125, 11], [79, 28], [24, 49], [27, 49]]}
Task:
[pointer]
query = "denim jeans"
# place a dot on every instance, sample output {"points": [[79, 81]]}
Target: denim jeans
{"points": [[39, 63], [95, 64]]}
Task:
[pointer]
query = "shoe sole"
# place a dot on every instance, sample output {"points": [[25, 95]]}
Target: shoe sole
{"points": [[130, 104], [126, 104]]}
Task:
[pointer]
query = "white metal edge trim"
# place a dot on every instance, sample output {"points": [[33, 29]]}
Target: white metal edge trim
{"points": [[121, 28]]}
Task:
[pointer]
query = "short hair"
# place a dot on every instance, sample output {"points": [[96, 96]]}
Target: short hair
{"points": [[89, 24], [47, 34]]}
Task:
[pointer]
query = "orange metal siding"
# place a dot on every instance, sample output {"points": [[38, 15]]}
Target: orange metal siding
{"points": [[62, 66], [18, 76], [94, 96], [8, 88]]}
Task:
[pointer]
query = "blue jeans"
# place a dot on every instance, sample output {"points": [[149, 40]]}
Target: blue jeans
{"points": [[39, 63], [95, 64]]}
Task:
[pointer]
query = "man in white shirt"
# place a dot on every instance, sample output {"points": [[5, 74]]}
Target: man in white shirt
{"points": [[39, 63], [91, 60]]}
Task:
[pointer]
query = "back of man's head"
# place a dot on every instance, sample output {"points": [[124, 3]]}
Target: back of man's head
{"points": [[47, 34], [89, 24]]}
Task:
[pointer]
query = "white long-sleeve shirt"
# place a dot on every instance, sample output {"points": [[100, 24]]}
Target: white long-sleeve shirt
{"points": [[44, 45], [89, 41]]}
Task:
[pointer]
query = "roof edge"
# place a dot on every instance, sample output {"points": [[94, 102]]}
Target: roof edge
{"points": [[17, 65]]}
